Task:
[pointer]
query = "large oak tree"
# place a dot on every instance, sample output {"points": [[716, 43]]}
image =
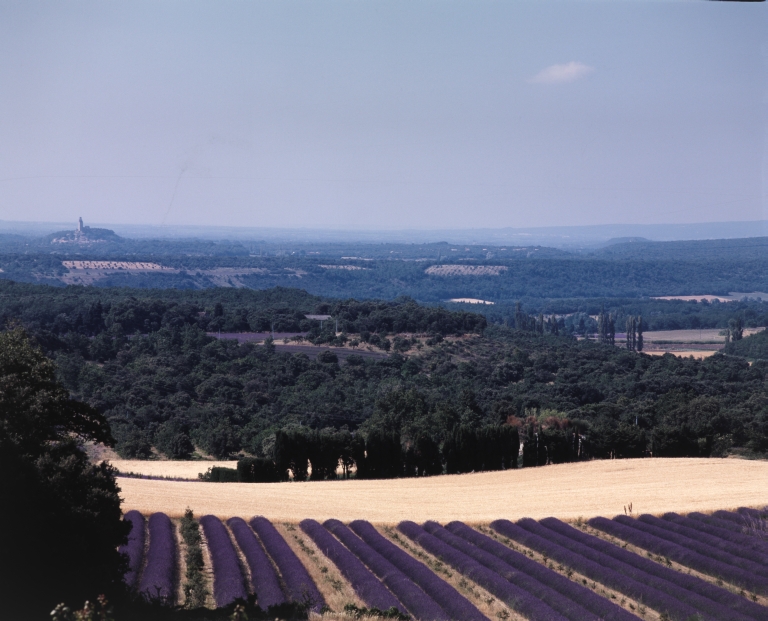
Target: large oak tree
{"points": [[60, 517]]}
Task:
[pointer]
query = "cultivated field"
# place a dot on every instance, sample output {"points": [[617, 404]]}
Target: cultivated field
{"points": [[734, 296], [691, 336], [177, 469], [566, 491], [697, 354], [465, 270], [113, 265], [470, 301]]}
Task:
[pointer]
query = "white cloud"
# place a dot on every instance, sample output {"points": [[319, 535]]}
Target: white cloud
{"points": [[558, 74]]}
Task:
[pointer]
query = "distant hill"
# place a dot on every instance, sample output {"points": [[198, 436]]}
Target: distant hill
{"points": [[746, 249], [626, 240], [87, 235]]}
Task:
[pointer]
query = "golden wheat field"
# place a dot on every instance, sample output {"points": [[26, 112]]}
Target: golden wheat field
{"points": [[566, 491], [180, 469]]}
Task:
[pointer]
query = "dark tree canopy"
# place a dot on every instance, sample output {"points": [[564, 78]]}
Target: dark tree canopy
{"points": [[60, 523]]}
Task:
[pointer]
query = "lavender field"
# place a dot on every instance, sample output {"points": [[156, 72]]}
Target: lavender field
{"points": [[675, 567]]}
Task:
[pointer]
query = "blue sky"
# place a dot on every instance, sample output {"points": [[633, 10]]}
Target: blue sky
{"points": [[384, 115]]}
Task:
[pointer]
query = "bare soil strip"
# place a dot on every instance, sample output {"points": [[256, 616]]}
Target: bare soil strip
{"points": [[566, 491]]}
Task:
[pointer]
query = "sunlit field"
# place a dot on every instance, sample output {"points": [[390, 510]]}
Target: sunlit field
{"points": [[567, 491]]}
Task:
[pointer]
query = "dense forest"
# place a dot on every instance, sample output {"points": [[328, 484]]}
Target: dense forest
{"points": [[753, 347], [656, 314], [143, 359]]}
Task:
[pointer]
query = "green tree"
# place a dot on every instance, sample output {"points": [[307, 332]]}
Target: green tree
{"points": [[60, 523]]}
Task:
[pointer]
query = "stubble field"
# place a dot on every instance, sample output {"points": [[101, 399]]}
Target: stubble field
{"points": [[566, 491]]}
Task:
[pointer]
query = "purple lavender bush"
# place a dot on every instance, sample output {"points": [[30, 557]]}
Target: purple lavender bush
{"points": [[720, 522], [688, 589], [758, 514], [301, 588], [228, 584], [596, 567], [709, 527], [752, 553], [700, 545], [512, 595], [736, 519], [365, 584], [454, 603], [681, 554], [158, 578], [264, 578], [416, 601], [134, 548], [599, 606]]}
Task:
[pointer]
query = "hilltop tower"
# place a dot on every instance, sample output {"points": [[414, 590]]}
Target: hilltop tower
{"points": [[80, 226]]}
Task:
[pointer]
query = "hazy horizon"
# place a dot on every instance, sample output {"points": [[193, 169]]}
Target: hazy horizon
{"points": [[556, 236], [384, 116]]}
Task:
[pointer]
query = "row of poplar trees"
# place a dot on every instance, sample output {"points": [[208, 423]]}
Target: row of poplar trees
{"points": [[635, 333], [316, 455], [540, 324]]}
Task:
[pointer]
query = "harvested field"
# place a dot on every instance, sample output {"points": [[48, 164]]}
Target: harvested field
{"points": [[113, 265], [733, 296], [470, 301], [180, 469], [465, 270], [698, 354], [566, 491], [691, 336]]}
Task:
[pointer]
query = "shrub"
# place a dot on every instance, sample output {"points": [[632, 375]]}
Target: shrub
{"points": [[195, 588]]}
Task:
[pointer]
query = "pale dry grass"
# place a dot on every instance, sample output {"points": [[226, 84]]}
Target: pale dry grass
{"points": [[566, 491]]}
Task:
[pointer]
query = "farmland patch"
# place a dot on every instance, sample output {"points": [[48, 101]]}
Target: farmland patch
{"points": [[465, 270], [593, 488]]}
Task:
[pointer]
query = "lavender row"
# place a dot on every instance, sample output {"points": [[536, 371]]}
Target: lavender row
{"points": [[736, 519], [649, 579], [525, 598], [416, 601], [157, 580], [365, 584], [760, 514], [745, 573], [604, 573], [710, 527], [696, 545], [599, 606], [297, 580], [716, 521], [684, 587], [264, 578], [680, 553], [450, 600], [228, 584], [134, 547], [750, 554]]}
